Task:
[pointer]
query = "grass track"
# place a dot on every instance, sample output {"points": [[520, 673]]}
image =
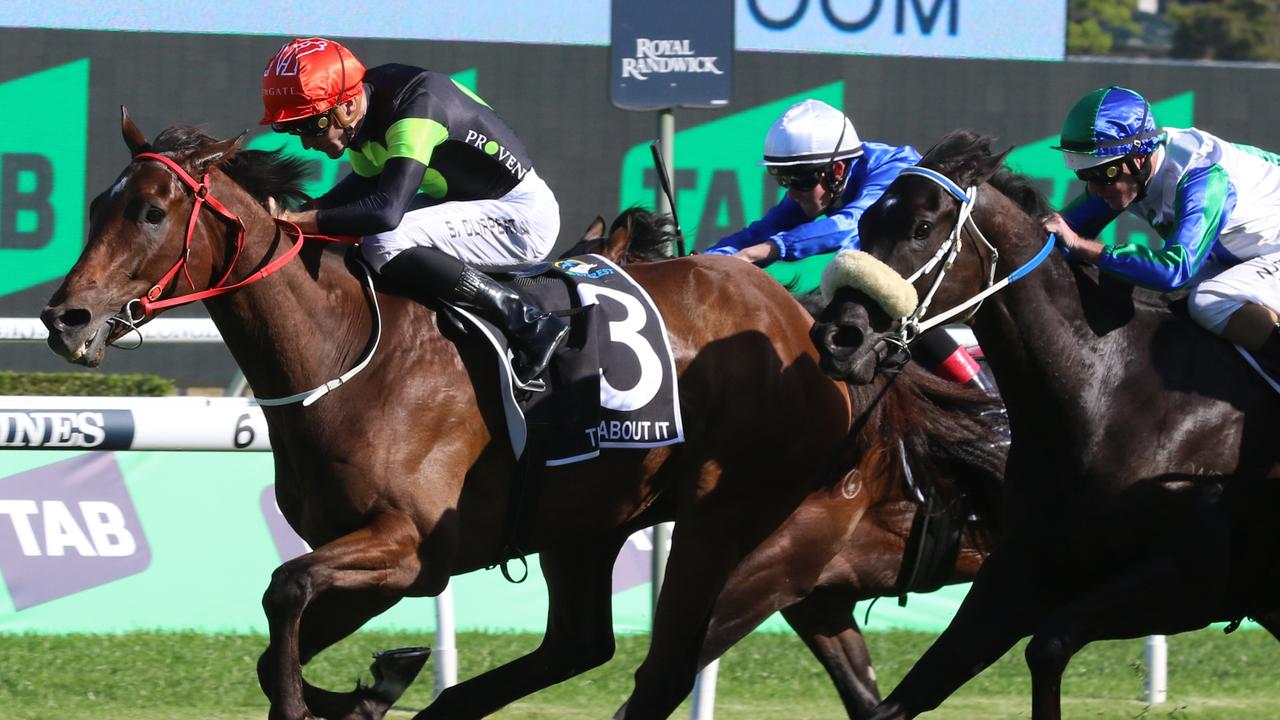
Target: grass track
{"points": [[162, 676]]}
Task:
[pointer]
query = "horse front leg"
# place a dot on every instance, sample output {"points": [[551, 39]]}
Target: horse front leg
{"points": [[706, 547], [381, 557], [1155, 598], [579, 634], [1002, 607], [327, 620], [782, 571], [824, 621], [1270, 621]]}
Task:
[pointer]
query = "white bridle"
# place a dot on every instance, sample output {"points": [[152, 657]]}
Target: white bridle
{"points": [[912, 327]]}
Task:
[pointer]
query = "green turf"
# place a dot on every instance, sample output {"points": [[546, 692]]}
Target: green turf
{"points": [[155, 676]]}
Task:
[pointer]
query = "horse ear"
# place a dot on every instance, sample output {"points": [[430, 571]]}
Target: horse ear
{"points": [[217, 153], [133, 137], [595, 231], [982, 170], [616, 246]]}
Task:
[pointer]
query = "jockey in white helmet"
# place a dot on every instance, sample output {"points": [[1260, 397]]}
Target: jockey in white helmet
{"points": [[831, 177]]}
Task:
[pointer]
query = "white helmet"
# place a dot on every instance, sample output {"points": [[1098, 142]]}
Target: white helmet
{"points": [[808, 134]]}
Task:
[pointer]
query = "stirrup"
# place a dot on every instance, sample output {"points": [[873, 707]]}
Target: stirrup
{"points": [[534, 385]]}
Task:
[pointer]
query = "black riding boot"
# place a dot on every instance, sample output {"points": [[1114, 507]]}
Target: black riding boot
{"points": [[1269, 354], [532, 332]]}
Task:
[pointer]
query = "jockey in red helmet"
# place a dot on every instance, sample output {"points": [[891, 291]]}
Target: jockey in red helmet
{"points": [[440, 184]]}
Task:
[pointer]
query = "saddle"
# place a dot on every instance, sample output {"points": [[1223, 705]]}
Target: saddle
{"points": [[613, 380], [1267, 368], [610, 385]]}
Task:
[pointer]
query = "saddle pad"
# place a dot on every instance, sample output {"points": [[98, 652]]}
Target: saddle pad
{"points": [[612, 382]]}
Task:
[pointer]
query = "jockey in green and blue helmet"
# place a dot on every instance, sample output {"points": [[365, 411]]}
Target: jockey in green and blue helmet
{"points": [[1214, 203], [1107, 129]]}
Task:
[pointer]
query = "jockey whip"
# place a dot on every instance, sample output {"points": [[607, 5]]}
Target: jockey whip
{"points": [[665, 181]]}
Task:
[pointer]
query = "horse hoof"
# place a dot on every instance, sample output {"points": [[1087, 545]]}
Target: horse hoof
{"points": [[395, 670]]}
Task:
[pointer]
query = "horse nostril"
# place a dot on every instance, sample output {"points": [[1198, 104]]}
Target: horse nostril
{"points": [[59, 320], [820, 335], [846, 336]]}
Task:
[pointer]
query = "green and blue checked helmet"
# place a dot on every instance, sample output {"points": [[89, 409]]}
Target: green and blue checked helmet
{"points": [[1106, 125]]}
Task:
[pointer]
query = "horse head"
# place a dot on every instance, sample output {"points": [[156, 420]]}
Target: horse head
{"points": [[147, 238], [636, 236], [910, 260]]}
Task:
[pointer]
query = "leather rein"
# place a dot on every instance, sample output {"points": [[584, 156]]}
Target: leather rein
{"points": [[152, 301]]}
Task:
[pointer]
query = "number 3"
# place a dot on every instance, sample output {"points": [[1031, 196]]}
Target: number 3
{"points": [[627, 332]]}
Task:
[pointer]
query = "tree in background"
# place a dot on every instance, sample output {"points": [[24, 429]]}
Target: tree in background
{"points": [[1091, 24], [1226, 30]]}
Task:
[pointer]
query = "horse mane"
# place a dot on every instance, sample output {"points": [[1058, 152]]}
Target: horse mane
{"points": [[960, 151], [653, 235], [947, 431], [262, 173]]}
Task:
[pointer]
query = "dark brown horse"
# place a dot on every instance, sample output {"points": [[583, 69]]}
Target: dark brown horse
{"points": [[855, 536], [1141, 483], [635, 236]]}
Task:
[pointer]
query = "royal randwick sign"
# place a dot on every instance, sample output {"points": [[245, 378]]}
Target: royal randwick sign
{"points": [[671, 53], [664, 57]]}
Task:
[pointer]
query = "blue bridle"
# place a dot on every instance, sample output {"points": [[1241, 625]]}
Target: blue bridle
{"points": [[912, 326]]}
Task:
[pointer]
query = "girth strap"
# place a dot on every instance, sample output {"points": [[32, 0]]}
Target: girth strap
{"points": [[933, 544], [526, 486]]}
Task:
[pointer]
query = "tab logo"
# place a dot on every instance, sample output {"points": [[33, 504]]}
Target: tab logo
{"points": [[68, 527], [42, 175]]}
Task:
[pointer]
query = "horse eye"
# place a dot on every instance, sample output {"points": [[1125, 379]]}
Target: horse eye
{"points": [[922, 231], [154, 215]]}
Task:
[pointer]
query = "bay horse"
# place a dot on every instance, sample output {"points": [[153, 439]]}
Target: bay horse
{"points": [[398, 516], [952, 437], [1142, 479], [401, 476]]}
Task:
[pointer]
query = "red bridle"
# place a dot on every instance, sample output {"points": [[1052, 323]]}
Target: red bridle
{"points": [[151, 302]]}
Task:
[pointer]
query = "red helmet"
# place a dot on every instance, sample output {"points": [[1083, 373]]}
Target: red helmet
{"points": [[307, 77]]}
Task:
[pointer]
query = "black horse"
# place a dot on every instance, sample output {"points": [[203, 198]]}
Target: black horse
{"points": [[1141, 483]]}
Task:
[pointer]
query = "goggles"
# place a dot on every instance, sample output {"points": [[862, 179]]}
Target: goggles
{"points": [[1101, 174], [308, 126], [800, 182]]}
